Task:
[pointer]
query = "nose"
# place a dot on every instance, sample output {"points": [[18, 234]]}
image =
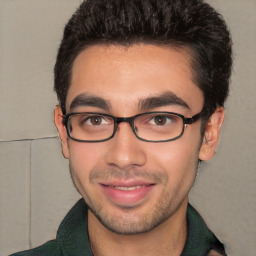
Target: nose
{"points": [[125, 149]]}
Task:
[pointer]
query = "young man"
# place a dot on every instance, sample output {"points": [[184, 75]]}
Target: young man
{"points": [[141, 86]]}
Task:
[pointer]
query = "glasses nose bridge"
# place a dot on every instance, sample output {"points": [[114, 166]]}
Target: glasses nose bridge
{"points": [[119, 120], [130, 120], [124, 120]]}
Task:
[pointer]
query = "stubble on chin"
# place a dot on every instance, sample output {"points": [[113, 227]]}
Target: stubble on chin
{"points": [[127, 222], [130, 221]]}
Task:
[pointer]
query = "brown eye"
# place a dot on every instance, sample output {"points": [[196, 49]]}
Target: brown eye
{"points": [[95, 120], [160, 120]]}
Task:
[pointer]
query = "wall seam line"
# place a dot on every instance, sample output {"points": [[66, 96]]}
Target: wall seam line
{"points": [[30, 194], [31, 139]]}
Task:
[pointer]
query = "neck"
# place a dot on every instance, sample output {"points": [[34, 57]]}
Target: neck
{"points": [[166, 239]]}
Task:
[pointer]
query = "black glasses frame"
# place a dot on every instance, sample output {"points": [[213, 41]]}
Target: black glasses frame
{"points": [[130, 120]]}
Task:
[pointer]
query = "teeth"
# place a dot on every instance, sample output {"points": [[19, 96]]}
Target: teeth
{"points": [[127, 188]]}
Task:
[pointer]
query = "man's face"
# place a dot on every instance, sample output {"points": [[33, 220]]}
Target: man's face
{"points": [[130, 185]]}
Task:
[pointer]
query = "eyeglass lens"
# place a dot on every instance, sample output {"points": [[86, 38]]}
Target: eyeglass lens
{"points": [[148, 126]]}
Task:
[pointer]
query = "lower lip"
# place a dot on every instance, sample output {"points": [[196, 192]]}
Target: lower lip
{"points": [[127, 198]]}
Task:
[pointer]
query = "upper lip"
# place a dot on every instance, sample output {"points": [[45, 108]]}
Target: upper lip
{"points": [[126, 183]]}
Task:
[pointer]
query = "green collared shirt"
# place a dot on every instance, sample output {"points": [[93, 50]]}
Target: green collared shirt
{"points": [[72, 237]]}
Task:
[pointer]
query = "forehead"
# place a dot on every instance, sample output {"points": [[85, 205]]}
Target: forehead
{"points": [[129, 74]]}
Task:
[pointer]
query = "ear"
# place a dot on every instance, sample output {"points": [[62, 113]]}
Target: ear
{"points": [[58, 120], [211, 134]]}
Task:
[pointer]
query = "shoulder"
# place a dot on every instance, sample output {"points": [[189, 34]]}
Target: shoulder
{"points": [[50, 249]]}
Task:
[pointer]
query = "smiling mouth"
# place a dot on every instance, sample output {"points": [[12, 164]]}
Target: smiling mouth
{"points": [[128, 188], [127, 194]]}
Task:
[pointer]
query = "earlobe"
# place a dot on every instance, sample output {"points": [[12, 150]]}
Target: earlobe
{"points": [[58, 120], [211, 134]]}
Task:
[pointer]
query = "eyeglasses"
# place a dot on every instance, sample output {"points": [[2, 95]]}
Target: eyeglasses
{"points": [[151, 126]]}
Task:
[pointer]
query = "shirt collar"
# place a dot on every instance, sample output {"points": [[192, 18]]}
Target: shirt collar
{"points": [[72, 235]]}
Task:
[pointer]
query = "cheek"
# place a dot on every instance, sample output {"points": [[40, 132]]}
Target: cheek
{"points": [[84, 157], [177, 159], [174, 155]]}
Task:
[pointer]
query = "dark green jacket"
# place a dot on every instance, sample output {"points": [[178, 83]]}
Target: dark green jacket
{"points": [[72, 237]]}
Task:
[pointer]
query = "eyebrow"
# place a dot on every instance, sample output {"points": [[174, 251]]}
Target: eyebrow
{"points": [[164, 99], [85, 99]]}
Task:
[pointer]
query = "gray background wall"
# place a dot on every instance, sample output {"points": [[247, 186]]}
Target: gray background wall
{"points": [[35, 188]]}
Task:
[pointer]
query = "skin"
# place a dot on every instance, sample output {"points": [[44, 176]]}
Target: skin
{"points": [[154, 224]]}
